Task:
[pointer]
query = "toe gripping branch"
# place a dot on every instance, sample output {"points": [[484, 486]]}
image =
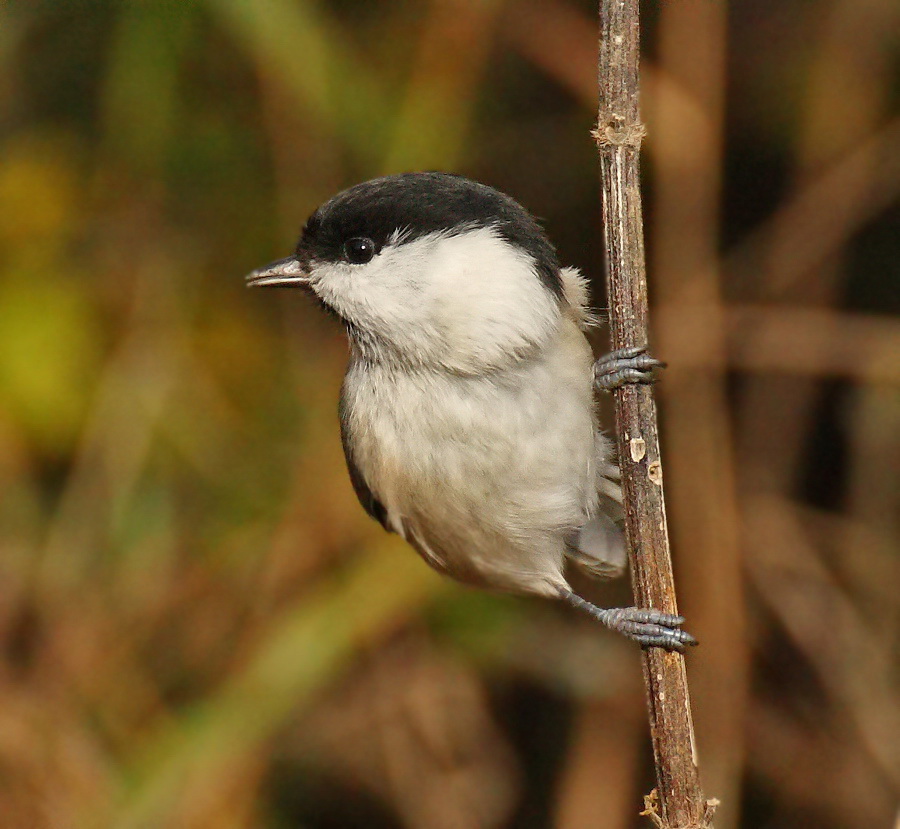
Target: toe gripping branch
{"points": [[627, 365], [649, 628]]}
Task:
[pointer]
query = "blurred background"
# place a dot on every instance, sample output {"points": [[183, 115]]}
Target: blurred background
{"points": [[199, 625]]}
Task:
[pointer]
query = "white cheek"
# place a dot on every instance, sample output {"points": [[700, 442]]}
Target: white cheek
{"points": [[335, 283], [487, 295], [466, 301]]}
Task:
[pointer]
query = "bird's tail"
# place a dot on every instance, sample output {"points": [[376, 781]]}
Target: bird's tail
{"points": [[599, 548]]}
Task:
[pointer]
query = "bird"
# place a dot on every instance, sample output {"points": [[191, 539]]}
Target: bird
{"points": [[467, 411]]}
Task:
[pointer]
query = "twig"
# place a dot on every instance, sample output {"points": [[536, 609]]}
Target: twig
{"points": [[618, 134]]}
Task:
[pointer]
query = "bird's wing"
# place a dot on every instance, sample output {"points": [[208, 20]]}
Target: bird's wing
{"points": [[366, 497]]}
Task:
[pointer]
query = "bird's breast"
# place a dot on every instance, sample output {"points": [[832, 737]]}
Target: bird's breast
{"points": [[508, 453]]}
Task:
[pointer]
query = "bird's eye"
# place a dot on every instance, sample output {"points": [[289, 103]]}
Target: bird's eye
{"points": [[359, 251]]}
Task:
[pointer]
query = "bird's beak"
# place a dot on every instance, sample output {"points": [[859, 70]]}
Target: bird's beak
{"points": [[292, 272]]}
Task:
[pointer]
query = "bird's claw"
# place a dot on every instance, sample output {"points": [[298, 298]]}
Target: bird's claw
{"points": [[648, 627], [624, 366]]}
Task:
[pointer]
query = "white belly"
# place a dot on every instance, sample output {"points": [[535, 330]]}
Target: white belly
{"points": [[487, 477]]}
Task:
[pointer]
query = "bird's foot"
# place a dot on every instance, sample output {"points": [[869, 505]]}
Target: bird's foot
{"points": [[649, 628], [627, 365]]}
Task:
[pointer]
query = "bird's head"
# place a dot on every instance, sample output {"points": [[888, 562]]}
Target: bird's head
{"points": [[429, 269]]}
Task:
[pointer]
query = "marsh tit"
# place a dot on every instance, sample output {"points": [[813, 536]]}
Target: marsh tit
{"points": [[467, 413]]}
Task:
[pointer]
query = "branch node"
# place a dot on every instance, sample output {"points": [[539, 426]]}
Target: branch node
{"points": [[615, 131], [651, 810]]}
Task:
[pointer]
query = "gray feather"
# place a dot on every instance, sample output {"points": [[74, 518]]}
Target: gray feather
{"points": [[599, 548]]}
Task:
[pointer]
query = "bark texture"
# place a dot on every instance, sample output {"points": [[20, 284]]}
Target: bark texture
{"points": [[679, 800]]}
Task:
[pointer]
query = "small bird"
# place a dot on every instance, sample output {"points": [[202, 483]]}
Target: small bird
{"points": [[467, 411]]}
